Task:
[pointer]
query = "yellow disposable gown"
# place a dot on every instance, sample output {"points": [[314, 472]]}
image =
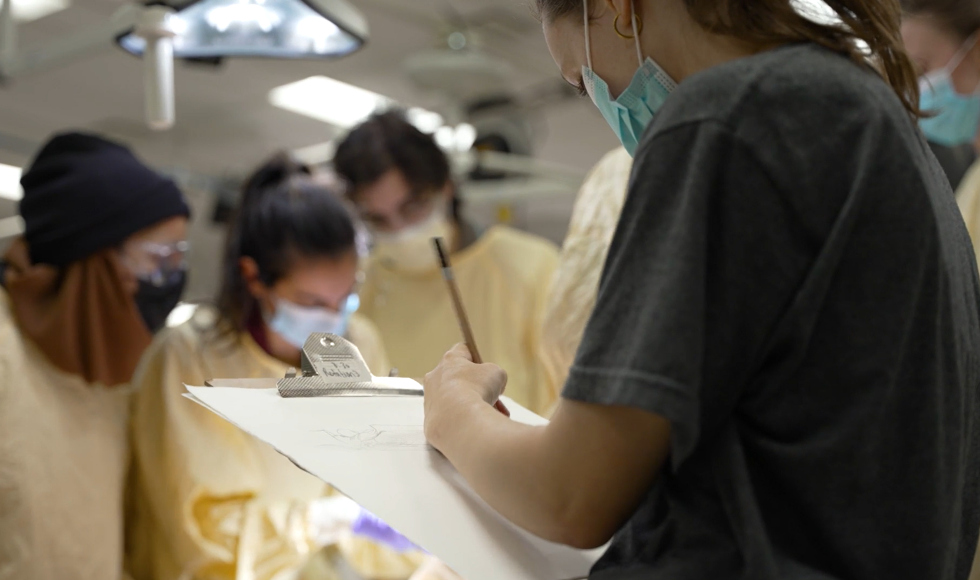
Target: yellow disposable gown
{"points": [[63, 455], [503, 278], [573, 295], [968, 196], [209, 501]]}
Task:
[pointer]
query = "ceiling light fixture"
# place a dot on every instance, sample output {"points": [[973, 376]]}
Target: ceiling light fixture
{"points": [[198, 29], [260, 28], [10, 182], [328, 100], [28, 10]]}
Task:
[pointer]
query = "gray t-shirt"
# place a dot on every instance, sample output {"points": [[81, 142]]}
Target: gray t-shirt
{"points": [[792, 286]]}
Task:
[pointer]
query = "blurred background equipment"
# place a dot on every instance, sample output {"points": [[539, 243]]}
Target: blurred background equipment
{"points": [[195, 30], [469, 71]]}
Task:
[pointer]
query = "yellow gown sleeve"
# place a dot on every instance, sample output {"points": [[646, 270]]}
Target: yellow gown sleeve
{"points": [[201, 483], [546, 390], [583, 253], [968, 198]]}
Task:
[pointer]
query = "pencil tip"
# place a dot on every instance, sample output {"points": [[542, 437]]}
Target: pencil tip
{"points": [[441, 251]]}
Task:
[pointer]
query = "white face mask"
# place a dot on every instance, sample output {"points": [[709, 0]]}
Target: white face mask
{"points": [[296, 323], [411, 249]]}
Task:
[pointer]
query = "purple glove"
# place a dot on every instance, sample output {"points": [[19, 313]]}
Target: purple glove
{"points": [[369, 526]]}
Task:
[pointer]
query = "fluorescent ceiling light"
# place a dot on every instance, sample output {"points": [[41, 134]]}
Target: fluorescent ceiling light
{"points": [[328, 100], [10, 182], [265, 28], [343, 105], [425, 121], [27, 10], [316, 154]]}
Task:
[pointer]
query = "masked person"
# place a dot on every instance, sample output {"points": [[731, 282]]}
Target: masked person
{"points": [[943, 38], [212, 502], [780, 379], [99, 265], [401, 184]]}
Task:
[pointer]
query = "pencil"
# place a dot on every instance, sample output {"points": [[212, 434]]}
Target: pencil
{"points": [[464, 321]]}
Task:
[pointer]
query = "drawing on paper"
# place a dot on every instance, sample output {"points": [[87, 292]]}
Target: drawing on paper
{"points": [[375, 437]]}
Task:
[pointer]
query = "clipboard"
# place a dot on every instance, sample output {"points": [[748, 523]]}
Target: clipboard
{"points": [[332, 366]]}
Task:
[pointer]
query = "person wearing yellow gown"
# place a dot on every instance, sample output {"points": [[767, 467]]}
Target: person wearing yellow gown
{"points": [[401, 184], [211, 502], [100, 265], [573, 293]]}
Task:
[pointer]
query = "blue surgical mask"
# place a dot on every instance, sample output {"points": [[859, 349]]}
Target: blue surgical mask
{"points": [[958, 116], [631, 112], [296, 323]]}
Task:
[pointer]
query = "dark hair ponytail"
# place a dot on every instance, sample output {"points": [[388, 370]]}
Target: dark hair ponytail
{"points": [[284, 214], [869, 33]]}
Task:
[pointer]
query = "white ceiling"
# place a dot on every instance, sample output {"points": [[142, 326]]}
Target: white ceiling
{"points": [[225, 124], [224, 121]]}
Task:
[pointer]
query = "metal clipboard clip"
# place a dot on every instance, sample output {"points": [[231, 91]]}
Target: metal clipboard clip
{"points": [[331, 366]]}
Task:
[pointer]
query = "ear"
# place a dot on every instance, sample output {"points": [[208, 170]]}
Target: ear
{"points": [[250, 274], [622, 8]]}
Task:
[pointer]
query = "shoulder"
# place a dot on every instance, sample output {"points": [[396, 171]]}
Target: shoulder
{"points": [[10, 336], [792, 88], [601, 197], [12, 351], [185, 343], [523, 258], [970, 186], [516, 248]]}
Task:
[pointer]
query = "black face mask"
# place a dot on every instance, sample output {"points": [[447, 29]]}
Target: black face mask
{"points": [[156, 302]]}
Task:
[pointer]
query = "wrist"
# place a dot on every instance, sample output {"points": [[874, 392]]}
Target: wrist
{"points": [[447, 425]]}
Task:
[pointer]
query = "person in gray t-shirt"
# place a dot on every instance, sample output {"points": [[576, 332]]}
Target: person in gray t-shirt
{"points": [[781, 377]]}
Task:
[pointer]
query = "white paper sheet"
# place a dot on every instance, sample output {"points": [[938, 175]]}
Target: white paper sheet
{"points": [[373, 449]]}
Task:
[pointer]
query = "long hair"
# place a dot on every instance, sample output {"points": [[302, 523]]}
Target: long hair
{"points": [[284, 214], [869, 32]]}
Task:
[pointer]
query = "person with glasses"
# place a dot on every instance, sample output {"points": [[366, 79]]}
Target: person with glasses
{"points": [[99, 265], [210, 501], [401, 184]]}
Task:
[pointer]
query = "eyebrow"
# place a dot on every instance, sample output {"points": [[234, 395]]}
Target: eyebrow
{"points": [[311, 298]]}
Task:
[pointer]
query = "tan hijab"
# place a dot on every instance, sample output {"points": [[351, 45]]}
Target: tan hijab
{"points": [[80, 316]]}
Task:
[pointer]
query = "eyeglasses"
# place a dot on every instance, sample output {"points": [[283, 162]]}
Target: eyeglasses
{"points": [[155, 263]]}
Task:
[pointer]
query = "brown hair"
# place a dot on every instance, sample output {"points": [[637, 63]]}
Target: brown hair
{"points": [[386, 141], [959, 17], [874, 23]]}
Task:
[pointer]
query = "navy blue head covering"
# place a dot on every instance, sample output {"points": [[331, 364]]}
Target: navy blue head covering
{"points": [[84, 193]]}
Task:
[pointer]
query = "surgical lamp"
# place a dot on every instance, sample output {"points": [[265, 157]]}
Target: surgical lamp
{"points": [[200, 29]]}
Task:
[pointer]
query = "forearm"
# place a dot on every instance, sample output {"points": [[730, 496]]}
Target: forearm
{"points": [[507, 464]]}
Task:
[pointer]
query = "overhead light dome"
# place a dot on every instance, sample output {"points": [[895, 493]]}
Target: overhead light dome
{"points": [[260, 28]]}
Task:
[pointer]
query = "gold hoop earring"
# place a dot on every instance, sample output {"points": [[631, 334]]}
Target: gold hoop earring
{"points": [[639, 28]]}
